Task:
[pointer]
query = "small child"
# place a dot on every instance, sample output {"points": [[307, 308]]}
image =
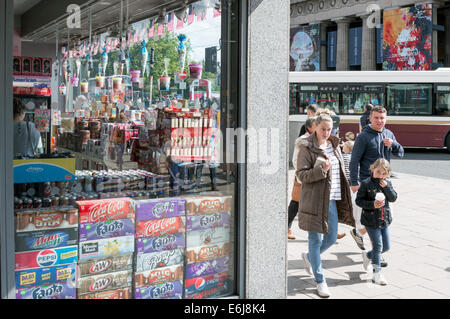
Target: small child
{"points": [[376, 214]]}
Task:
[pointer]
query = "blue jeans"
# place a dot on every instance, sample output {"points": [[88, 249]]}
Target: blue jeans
{"points": [[380, 244], [319, 243]]}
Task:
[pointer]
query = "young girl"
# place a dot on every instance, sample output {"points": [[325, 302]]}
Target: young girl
{"points": [[373, 197]]}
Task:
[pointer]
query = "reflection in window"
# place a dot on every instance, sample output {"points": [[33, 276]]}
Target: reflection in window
{"points": [[409, 98], [443, 104], [355, 103]]}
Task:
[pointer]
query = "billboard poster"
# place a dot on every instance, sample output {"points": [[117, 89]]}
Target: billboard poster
{"points": [[355, 46], [304, 52], [331, 49], [407, 38]]}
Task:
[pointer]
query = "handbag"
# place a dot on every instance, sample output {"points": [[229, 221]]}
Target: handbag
{"points": [[296, 190]]}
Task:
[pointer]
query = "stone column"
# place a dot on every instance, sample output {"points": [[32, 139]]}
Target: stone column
{"points": [[323, 48], [342, 44], [434, 59], [447, 38], [369, 46]]}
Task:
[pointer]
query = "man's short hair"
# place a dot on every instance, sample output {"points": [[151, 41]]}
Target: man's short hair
{"points": [[378, 109], [309, 122], [369, 107], [312, 108]]}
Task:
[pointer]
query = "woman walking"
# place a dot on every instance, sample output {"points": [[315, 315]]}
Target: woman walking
{"points": [[325, 199]]}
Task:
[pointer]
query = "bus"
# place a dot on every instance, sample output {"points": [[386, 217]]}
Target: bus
{"points": [[417, 102]]}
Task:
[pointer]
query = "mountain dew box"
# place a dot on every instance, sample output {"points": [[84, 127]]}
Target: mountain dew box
{"points": [[46, 239]]}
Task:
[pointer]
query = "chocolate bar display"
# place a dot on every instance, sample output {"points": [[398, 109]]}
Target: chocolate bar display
{"points": [[165, 258], [105, 265], [94, 211], [62, 290], [158, 276], [159, 227], [109, 247], [196, 205], [204, 253], [159, 208], [46, 239], [45, 219], [46, 258], [205, 221], [107, 229], [207, 286], [45, 276], [114, 280], [120, 293], [160, 243], [206, 268], [168, 290], [207, 236]]}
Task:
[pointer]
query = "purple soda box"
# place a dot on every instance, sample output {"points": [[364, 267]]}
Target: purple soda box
{"points": [[160, 243], [159, 208], [164, 258], [62, 290], [206, 268], [107, 229], [197, 222], [208, 236], [168, 290]]}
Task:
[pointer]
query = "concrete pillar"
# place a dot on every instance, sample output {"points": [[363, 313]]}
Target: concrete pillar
{"points": [[342, 44], [368, 54], [323, 48]]}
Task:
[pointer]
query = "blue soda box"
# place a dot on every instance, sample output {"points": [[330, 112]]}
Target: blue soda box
{"points": [[45, 276], [107, 229], [62, 290], [168, 290], [46, 239]]}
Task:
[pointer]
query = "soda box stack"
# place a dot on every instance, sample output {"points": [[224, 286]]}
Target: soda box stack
{"points": [[160, 248], [208, 233], [106, 248], [46, 252]]}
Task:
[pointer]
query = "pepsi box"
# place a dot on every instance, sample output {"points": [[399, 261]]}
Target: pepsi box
{"points": [[62, 290], [168, 290], [46, 239], [46, 257], [45, 276], [206, 286]]}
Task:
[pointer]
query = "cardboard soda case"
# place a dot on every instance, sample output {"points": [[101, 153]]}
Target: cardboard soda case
{"points": [[109, 247], [107, 229], [120, 293], [164, 258], [205, 221], [208, 267], [197, 205], [37, 66], [114, 280], [46, 239], [159, 227], [46, 257], [105, 265], [94, 211], [159, 208], [168, 290], [207, 236], [44, 220], [160, 243], [213, 285], [45, 276], [204, 253], [158, 276], [62, 290]]}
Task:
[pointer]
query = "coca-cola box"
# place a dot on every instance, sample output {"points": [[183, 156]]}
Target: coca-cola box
{"points": [[46, 257], [46, 239], [94, 211], [61, 290], [159, 208], [105, 265], [104, 248], [109, 281], [45, 276], [107, 229], [160, 227]]}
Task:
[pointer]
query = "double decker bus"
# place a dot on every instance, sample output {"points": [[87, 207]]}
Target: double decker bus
{"points": [[417, 102]]}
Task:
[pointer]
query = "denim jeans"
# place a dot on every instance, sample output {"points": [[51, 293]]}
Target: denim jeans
{"points": [[319, 243], [380, 244]]}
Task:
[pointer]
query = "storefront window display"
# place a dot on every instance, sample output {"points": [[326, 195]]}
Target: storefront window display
{"points": [[132, 198]]}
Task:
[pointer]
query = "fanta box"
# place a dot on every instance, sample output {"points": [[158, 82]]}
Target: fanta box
{"points": [[168, 290], [61, 290]]}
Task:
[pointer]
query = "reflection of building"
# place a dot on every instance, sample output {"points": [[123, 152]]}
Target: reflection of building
{"points": [[351, 27]]}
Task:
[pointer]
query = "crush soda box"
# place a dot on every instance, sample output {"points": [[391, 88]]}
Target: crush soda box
{"points": [[45, 276], [105, 265], [158, 276], [160, 243], [62, 290], [107, 229], [205, 221], [46, 239], [195, 286], [159, 208], [104, 248], [207, 236], [160, 227], [168, 290], [46, 257], [94, 211]]}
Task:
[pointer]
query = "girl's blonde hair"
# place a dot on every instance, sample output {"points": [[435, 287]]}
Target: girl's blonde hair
{"points": [[384, 164], [349, 144]]}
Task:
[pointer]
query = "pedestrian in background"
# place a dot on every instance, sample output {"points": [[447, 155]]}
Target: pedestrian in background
{"points": [[364, 119], [310, 112]]}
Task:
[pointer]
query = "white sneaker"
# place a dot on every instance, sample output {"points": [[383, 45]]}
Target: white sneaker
{"points": [[322, 290], [366, 261], [379, 279], [308, 267]]}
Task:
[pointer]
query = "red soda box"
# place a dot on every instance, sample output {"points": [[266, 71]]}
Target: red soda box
{"points": [[26, 65], [45, 220], [158, 276], [120, 293], [36, 69], [196, 205], [17, 65], [204, 253], [47, 66], [159, 227], [94, 211], [206, 286], [46, 257]]}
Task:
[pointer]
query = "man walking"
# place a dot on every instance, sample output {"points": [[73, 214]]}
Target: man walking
{"points": [[374, 142]]}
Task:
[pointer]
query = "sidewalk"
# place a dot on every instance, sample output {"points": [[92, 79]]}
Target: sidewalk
{"points": [[419, 259]]}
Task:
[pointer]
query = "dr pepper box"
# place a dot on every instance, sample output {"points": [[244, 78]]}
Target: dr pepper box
{"points": [[62, 290], [206, 286], [103, 248], [45, 276], [158, 276], [110, 281], [159, 208], [105, 265], [46, 219], [36, 69], [46, 239], [46, 257], [205, 221], [204, 253], [165, 258], [207, 236], [120, 293], [94, 211], [168, 290], [160, 243], [107, 229], [196, 205], [160, 227], [206, 268]]}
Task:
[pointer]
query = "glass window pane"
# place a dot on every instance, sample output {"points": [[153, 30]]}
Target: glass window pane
{"points": [[443, 104], [409, 98]]}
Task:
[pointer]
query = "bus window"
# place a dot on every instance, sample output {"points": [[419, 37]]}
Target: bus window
{"points": [[408, 99], [294, 105], [443, 104], [355, 103]]}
